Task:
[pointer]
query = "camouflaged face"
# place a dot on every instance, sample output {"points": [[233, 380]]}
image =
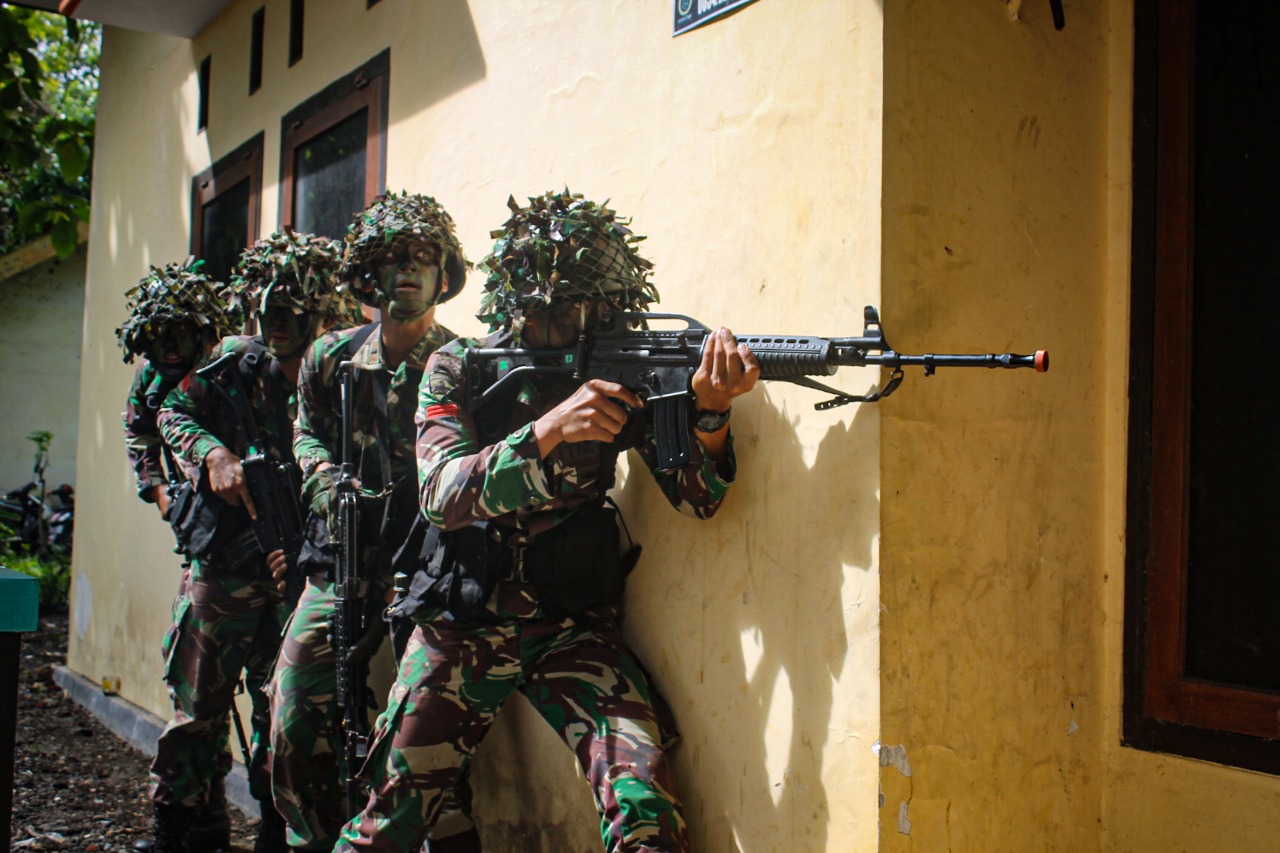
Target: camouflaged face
{"points": [[297, 270], [174, 293], [389, 220], [562, 247]]}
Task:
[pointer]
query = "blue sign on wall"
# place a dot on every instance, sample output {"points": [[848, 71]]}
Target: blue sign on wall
{"points": [[695, 13]]}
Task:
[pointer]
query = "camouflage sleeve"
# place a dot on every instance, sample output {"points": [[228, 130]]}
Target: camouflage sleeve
{"points": [[698, 488], [459, 481], [141, 435], [186, 411], [317, 426]]}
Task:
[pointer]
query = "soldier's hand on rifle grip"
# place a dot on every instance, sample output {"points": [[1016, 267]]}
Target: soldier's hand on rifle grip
{"points": [[278, 565], [591, 413], [728, 370], [226, 479]]}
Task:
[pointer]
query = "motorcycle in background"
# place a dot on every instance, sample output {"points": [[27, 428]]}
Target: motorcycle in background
{"points": [[31, 524]]}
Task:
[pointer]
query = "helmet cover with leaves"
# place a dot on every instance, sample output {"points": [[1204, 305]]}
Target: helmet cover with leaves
{"points": [[562, 247], [172, 294], [389, 220], [297, 270]]}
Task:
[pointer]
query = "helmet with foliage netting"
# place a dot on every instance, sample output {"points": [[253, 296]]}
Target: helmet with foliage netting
{"points": [[390, 219], [562, 247], [175, 293], [297, 270]]}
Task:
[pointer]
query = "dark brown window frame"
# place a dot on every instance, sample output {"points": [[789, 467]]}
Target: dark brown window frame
{"points": [[368, 88], [245, 162], [1164, 709]]}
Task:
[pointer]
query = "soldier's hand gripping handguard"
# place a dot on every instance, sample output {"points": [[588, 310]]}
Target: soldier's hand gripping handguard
{"points": [[659, 366]]}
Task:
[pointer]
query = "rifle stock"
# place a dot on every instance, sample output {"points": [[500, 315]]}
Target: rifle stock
{"points": [[659, 366]]}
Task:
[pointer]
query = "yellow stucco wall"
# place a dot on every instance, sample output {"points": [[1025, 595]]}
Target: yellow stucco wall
{"points": [[750, 153], [1007, 168], [41, 311]]}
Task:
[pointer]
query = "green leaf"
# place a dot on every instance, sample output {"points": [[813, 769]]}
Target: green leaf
{"points": [[73, 159], [63, 237]]}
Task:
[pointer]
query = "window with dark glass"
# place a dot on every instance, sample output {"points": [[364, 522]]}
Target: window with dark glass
{"points": [[333, 150], [297, 11], [1203, 641], [255, 50], [202, 86], [225, 208]]}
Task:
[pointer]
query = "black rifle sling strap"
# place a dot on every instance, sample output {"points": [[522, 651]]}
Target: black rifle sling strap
{"points": [[280, 411], [381, 431]]}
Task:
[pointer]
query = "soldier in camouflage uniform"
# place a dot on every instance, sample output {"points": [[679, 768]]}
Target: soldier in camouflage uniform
{"points": [[505, 485], [402, 257], [234, 613], [175, 315]]}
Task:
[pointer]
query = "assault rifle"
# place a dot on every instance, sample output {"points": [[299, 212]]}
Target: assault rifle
{"points": [[659, 365], [353, 636], [275, 487]]}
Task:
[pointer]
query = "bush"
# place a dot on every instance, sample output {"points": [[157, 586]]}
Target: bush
{"points": [[51, 570]]}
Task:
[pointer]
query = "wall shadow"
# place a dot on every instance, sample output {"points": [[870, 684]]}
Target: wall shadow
{"points": [[773, 625]]}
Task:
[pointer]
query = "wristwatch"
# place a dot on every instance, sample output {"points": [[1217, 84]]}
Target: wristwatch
{"points": [[711, 421]]}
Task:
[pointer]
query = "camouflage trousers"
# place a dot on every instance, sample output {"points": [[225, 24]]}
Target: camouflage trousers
{"points": [[306, 732], [224, 625], [579, 676]]}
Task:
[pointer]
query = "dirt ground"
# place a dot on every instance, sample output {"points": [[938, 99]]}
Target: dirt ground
{"points": [[77, 787]]}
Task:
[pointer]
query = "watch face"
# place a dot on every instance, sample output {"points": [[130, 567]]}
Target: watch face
{"points": [[712, 421]]}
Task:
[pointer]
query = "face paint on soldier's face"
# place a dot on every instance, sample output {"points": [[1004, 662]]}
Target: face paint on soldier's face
{"points": [[175, 345], [409, 278], [558, 326], [284, 329]]}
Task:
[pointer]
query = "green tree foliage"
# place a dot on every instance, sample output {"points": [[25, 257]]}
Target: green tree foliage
{"points": [[48, 94]]}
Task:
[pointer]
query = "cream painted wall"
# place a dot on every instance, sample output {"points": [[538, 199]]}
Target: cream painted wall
{"points": [[41, 312], [750, 153]]}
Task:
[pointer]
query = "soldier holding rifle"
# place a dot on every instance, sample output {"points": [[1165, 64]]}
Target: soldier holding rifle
{"points": [[402, 257], [233, 621]]}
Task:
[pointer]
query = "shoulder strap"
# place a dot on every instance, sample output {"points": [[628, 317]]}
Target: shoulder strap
{"points": [[357, 340]]}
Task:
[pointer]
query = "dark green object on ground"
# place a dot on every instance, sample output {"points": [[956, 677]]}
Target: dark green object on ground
{"points": [[19, 609]]}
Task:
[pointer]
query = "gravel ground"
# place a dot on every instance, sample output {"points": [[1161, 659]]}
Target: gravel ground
{"points": [[78, 787]]}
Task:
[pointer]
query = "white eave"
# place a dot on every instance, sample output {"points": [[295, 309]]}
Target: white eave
{"points": [[185, 18]]}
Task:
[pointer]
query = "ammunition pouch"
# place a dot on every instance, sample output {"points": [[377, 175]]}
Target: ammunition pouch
{"points": [[318, 554], [578, 564], [204, 524], [574, 567], [454, 570]]}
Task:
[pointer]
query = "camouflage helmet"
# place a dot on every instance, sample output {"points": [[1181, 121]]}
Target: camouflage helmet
{"points": [[174, 293], [389, 219], [294, 269], [562, 247]]}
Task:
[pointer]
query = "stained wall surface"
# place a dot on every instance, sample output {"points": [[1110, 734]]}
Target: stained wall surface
{"points": [[749, 152], [1007, 227]]}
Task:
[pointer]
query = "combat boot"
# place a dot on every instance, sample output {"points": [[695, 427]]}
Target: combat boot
{"points": [[169, 833], [270, 831]]}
